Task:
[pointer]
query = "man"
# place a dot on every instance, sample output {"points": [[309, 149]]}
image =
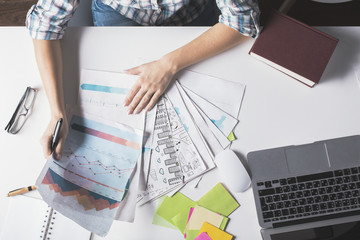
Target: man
{"points": [[47, 22]]}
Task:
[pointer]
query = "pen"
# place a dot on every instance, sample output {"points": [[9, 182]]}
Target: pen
{"points": [[21, 191], [56, 135]]}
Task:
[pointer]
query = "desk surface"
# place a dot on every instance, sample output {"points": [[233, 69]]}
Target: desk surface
{"points": [[276, 109]]}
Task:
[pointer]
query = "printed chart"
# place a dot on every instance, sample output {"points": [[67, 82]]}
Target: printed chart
{"points": [[98, 157]]}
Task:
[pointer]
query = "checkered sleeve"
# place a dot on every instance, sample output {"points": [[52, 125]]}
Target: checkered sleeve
{"points": [[47, 19], [241, 15]]}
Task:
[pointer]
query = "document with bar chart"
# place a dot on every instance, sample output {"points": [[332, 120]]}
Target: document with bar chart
{"points": [[91, 179]]}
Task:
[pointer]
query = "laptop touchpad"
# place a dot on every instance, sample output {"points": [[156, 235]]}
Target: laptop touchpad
{"points": [[307, 158]]}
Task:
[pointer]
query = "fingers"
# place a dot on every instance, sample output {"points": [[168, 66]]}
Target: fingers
{"points": [[136, 100], [130, 96], [144, 102], [133, 71], [47, 138], [153, 100], [58, 149]]}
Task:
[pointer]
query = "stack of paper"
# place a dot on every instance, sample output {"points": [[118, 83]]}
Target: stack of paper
{"points": [[191, 127], [191, 217], [97, 178], [113, 160]]}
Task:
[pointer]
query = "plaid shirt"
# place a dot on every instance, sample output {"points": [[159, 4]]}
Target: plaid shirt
{"points": [[48, 18]]}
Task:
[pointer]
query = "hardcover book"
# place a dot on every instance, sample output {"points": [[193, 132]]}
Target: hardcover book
{"points": [[294, 48]]}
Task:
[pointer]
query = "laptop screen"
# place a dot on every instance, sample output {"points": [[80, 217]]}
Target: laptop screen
{"points": [[348, 231]]}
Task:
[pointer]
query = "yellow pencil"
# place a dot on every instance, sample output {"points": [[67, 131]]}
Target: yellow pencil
{"points": [[21, 191]]}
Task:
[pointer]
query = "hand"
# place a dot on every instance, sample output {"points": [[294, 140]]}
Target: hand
{"points": [[153, 81], [47, 137]]}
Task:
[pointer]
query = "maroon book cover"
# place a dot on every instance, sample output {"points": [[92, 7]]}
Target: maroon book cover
{"points": [[294, 48]]}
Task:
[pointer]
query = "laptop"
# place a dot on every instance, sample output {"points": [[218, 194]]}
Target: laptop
{"points": [[308, 192]]}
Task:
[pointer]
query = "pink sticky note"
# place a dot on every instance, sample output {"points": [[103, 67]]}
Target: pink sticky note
{"points": [[203, 236], [190, 213]]}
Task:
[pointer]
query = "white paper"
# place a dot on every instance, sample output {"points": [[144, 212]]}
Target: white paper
{"points": [[175, 98], [183, 155], [222, 120], [27, 217], [103, 94], [147, 149], [224, 94], [164, 166], [205, 131]]}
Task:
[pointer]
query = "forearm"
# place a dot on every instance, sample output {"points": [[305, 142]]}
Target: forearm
{"points": [[214, 41], [49, 61]]}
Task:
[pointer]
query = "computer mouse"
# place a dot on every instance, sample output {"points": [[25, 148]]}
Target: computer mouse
{"points": [[232, 170]]}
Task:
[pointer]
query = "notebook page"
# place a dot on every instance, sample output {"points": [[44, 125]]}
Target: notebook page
{"points": [[25, 219], [64, 228]]}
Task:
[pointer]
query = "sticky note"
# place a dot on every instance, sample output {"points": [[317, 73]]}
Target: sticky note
{"points": [[231, 136], [214, 232], [203, 236], [181, 219], [172, 206], [157, 220], [201, 215], [219, 200]]}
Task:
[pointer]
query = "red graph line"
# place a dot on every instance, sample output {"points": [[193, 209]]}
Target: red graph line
{"points": [[109, 169]]}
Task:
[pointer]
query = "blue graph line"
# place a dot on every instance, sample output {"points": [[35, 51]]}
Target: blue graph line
{"points": [[101, 88]]}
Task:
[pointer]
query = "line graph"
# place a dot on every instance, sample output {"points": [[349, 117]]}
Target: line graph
{"points": [[98, 161], [95, 167]]}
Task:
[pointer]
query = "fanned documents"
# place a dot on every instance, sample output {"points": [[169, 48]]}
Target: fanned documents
{"points": [[194, 125], [112, 160]]}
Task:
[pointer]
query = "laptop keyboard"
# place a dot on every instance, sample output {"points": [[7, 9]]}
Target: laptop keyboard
{"points": [[310, 195]]}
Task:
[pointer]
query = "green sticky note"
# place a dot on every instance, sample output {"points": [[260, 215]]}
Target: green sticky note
{"points": [[224, 223], [231, 137], [157, 220], [172, 206], [219, 200], [192, 234], [181, 219]]}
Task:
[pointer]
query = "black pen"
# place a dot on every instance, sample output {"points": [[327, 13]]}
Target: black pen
{"points": [[56, 134]]}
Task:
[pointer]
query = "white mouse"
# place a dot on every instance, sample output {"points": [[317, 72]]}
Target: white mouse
{"points": [[232, 171]]}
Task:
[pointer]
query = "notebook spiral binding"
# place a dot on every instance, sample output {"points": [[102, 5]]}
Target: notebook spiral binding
{"points": [[48, 224]]}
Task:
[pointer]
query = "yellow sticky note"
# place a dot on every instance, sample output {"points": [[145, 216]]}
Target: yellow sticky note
{"points": [[214, 232], [231, 136], [201, 215]]}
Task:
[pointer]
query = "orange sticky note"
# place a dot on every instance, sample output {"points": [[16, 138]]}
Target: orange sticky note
{"points": [[215, 233]]}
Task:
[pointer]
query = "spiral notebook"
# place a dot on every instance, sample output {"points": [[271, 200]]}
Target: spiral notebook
{"points": [[30, 218]]}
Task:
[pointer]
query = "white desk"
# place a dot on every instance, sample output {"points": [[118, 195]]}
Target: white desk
{"points": [[276, 110]]}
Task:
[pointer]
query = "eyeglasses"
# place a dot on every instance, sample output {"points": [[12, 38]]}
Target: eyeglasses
{"points": [[22, 111]]}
